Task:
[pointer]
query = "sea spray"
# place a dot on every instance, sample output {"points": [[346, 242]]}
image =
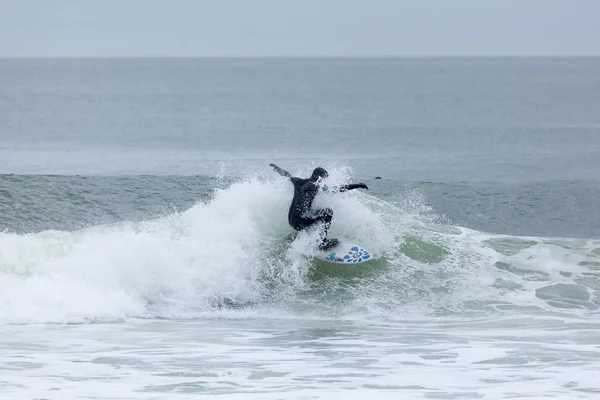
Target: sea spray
{"points": [[235, 251]]}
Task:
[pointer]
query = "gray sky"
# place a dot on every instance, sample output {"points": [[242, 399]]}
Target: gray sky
{"points": [[121, 28]]}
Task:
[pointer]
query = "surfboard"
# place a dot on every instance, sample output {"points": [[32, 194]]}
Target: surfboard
{"points": [[344, 253]]}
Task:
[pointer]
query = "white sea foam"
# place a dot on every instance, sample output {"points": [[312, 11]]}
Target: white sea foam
{"points": [[449, 312], [231, 250]]}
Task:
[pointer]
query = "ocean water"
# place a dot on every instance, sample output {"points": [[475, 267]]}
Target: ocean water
{"points": [[145, 251]]}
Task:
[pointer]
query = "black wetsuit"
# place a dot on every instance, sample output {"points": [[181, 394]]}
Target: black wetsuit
{"points": [[301, 214]]}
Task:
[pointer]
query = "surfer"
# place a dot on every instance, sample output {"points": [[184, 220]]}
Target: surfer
{"points": [[301, 215]]}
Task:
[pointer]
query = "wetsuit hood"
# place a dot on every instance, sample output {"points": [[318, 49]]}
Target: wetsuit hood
{"points": [[319, 173]]}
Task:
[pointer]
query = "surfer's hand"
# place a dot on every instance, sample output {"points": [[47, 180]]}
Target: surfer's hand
{"points": [[280, 171]]}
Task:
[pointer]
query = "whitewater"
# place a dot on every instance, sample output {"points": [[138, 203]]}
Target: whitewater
{"points": [[216, 299], [145, 251]]}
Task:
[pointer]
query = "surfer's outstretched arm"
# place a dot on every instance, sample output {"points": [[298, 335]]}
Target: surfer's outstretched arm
{"points": [[280, 171], [353, 186], [350, 186], [345, 188]]}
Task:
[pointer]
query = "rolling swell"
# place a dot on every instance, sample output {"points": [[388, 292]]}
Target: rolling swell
{"points": [[75, 251]]}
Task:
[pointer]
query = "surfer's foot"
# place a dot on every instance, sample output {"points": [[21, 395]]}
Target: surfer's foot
{"points": [[328, 243]]}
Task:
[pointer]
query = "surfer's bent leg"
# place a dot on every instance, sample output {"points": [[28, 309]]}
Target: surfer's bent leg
{"points": [[324, 215]]}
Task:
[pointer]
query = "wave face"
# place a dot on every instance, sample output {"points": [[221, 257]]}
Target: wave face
{"points": [[232, 254]]}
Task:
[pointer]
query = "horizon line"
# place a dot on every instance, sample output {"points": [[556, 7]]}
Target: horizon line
{"points": [[315, 56]]}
